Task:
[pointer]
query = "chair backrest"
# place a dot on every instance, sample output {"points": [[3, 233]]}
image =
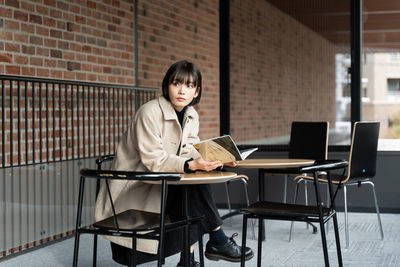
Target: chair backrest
{"points": [[309, 140], [363, 150]]}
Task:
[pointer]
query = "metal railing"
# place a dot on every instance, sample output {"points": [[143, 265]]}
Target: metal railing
{"points": [[45, 120], [49, 130]]}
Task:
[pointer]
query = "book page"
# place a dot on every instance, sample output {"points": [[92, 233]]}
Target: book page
{"points": [[246, 152]]}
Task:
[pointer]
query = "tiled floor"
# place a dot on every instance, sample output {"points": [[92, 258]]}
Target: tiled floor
{"points": [[366, 248]]}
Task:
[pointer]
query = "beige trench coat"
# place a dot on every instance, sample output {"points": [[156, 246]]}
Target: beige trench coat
{"points": [[151, 143]]}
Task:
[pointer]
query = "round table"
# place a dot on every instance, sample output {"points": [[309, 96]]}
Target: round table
{"points": [[274, 163]]}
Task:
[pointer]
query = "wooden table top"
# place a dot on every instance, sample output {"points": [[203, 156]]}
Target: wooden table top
{"points": [[274, 163], [201, 178]]}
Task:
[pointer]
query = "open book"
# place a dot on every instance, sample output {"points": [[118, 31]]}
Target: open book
{"points": [[222, 148]]}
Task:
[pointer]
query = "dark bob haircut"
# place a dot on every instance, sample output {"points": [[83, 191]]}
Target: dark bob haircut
{"points": [[183, 72]]}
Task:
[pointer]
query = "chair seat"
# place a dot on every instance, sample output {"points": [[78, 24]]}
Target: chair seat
{"points": [[334, 177], [137, 220], [286, 211]]}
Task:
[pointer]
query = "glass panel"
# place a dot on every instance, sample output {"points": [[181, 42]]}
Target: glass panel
{"points": [[381, 70], [289, 62]]}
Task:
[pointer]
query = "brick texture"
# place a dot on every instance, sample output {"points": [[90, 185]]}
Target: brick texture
{"points": [[94, 41], [281, 71], [58, 27], [175, 30]]}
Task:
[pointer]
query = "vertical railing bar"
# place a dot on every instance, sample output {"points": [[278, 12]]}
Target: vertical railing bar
{"points": [[98, 117], [33, 124], [3, 126], [94, 121], [26, 123], [123, 110], [72, 122], [28, 222], [109, 121], [66, 121], [34, 204], [55, 195], [104, 122], [11, 124], [19, 122], [54, 121], [59, 120], [12, 209], [67, 163], [49, 204], [41, 204], [78, 121], [40, 123], [114, 117], [118, 117], [84, 121], [20, 205], [4, 202], [131, 105], [47, 122]]}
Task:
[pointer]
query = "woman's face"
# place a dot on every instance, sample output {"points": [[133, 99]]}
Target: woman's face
{"points": [[181, 94]]}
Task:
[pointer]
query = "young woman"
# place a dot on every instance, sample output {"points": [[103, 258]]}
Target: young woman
{"points": [[161, 139]]}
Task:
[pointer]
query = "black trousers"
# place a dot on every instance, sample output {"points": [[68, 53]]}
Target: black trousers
{"points": [[200, 202]]}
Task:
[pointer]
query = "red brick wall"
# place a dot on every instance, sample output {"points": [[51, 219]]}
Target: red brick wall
{"points": [[71, 40], [281, 71], [94, 41], [174, 30]]}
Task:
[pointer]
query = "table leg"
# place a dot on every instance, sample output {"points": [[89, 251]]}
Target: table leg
{"points": [[321, 219], [261, 188]]}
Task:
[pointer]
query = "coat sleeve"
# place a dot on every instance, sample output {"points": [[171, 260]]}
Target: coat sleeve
{"points": [[150, 145], [193, 137]]}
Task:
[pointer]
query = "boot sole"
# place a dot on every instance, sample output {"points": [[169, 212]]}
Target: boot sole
{"points": [[217, 257]]}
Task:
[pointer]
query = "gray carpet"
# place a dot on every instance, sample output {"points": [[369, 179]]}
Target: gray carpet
{"points": [[366, 248]]}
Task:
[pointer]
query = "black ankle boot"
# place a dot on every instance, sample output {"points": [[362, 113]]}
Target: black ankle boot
{"points": [[230, 251]]}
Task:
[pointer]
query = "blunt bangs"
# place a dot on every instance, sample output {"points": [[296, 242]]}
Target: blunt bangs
{"points": [[183, 72]]}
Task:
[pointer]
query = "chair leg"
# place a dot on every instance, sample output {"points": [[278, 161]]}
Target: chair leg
{"points": [[228, 200], [260, 239], [321, 219], [295, 201], [285, 188], [327, 205], [132, 259], [244, 234], [306, 196], [377, 208], [76, 249], [346, 216], [248, 204], [201, 256], [95, 250], [78, 220]]}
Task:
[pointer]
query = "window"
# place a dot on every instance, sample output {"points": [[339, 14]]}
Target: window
{"points": [[393, 85]]}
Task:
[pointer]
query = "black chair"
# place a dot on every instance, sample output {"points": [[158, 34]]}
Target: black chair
{"points": [[291, 212], [308, 140], [124, 224], [362, 166]]}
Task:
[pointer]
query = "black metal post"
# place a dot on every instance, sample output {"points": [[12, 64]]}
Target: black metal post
{"points": [[356, 67], [224, 100]]}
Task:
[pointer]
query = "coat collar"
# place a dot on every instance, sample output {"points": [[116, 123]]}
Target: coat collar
{"points": [[169, 111]]}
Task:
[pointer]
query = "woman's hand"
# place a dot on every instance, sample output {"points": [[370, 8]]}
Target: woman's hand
{"points": [[204, 165], [230, 164]]}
